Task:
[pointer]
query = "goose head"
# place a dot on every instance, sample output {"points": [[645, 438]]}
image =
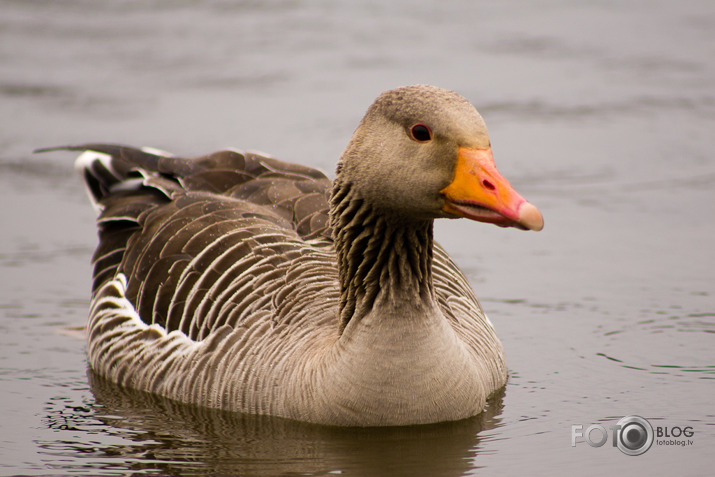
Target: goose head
{"points": [[424, 152]]}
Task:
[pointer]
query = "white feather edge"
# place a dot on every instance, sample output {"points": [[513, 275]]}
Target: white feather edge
{"points": [[84, 163], [155, 151], [122, 306]]}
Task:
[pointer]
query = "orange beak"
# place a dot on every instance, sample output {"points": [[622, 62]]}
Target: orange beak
{"points": [[479, 192]]}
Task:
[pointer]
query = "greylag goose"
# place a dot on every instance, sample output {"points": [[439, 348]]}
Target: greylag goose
{"points": [[240, 282]]}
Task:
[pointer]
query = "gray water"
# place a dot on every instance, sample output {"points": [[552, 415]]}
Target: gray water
{"points": [[602, 113]]}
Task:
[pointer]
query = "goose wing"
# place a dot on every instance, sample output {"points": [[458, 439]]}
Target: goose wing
{"points": [[209, 241]]}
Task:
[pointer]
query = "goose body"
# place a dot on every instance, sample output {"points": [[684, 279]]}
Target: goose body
{"points": [[244, 283]]}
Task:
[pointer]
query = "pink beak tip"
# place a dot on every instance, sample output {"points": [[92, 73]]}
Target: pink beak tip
{"points": [[530, 217]]}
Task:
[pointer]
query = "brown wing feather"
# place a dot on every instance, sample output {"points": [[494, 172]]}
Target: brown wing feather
{"points": [[180, 229]]}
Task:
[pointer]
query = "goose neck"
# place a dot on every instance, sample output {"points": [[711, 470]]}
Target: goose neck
{"points": [[384, 257]]}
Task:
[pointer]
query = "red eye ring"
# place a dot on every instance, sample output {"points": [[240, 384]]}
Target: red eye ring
{"points": [[421, 132]]}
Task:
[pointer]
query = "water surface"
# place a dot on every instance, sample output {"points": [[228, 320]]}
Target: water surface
{"points": [[600, 113]]}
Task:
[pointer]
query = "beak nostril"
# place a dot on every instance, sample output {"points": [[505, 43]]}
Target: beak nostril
{"points": [[488, 185]]}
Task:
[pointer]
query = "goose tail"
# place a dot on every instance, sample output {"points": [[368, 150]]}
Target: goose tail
{"points": [[109, 168]]}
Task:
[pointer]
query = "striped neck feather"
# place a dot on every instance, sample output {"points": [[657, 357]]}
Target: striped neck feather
{"points": [[380, 255]]}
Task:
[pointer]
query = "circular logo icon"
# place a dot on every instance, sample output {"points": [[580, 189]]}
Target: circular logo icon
{"points": [[635, 435]]}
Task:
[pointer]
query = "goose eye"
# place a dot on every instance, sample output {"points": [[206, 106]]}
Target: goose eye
{"points": [[420, 133]]}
